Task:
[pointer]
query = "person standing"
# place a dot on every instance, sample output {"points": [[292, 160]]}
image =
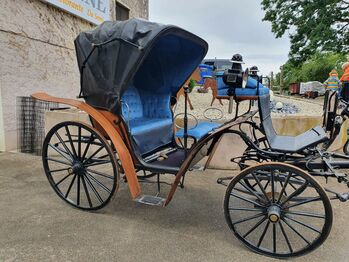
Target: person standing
{"points": [[345, 82], [333, 82], [254, 72], [345, 76]]}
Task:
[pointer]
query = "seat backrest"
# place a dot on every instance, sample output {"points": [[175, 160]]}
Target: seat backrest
{"points": [[330, 109], [132, 107], [149, 119], [265, 116], [219, 79], [156, 105]]}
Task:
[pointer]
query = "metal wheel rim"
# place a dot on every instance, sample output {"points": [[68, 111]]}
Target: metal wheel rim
{"points": [[325, 230], [85, 181], [213, 109]]}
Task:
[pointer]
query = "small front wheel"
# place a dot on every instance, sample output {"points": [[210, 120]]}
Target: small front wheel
{"points": [[80, 165], [282, 212]]}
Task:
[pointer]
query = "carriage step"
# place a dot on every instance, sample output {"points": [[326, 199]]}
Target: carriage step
{"points": [[150, 200]]}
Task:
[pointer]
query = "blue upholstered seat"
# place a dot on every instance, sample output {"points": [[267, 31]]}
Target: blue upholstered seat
{"points": [[249, 90], [199, 131], [245, 91], [149, 118]]}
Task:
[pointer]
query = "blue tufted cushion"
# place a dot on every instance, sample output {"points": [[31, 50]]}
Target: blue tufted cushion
{"points": [[135, 108], [156, 105], [149, 120], [245, 91], [202, 129], [250, 90]]}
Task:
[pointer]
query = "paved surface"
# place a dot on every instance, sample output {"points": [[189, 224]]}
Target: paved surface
{"points": [[35, 225]]}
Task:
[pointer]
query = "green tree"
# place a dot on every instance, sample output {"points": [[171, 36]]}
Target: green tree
{"points": [[316, 68], [313, 25]]}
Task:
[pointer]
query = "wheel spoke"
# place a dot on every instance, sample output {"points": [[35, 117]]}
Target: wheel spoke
{"points": [[87, 147], [306, 214], [98, 182], [78, 192], [70, 140], [255, 227], [263, 234], [285, 236], [282, 185], [296, 192], [272, 185], [97, 163], [246, 199], [61, 152], [260, 185], [266, 185], [274, 238], [64, 145], [252, 192], [248, 219], [99, 173], [305, 202], [58, 161], [293, 186], [244, 209], [79, 142], [95, 153], [58, 170], [60, 181], [94, 190], [303, 224], [86, 191], [283, 189], [70, 186], [294, 230]]}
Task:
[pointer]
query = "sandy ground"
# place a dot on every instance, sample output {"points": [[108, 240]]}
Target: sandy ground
{"points": [[200, 101]]}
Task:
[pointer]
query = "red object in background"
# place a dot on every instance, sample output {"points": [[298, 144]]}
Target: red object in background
{"points": [[294, 88], [311, 94], [307, 94]]}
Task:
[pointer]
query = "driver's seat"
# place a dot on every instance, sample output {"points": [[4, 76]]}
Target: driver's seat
{"points": [[287, 144]]}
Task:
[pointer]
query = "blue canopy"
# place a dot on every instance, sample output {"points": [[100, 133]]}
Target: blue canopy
{"points": [[136, 53]]}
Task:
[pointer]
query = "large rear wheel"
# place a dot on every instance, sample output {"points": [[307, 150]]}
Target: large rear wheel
{"points": [[286, 213], [80, 165]]}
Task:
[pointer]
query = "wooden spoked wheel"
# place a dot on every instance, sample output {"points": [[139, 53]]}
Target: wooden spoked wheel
{"points": [[283, 212], [80, 165]]}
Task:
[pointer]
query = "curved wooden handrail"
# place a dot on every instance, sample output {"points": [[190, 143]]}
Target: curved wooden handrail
{"points": [[122, 150]]}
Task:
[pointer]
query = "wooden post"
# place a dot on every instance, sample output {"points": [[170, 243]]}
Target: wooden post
{"points": [[281, 78]]}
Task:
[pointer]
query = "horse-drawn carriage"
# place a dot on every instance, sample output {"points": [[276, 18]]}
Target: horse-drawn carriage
{"points": [[129, 72]]}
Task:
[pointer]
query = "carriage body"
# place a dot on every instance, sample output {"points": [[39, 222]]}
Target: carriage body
{"points": [[130, 71]]}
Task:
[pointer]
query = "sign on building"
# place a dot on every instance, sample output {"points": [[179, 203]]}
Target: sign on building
{"points": [[94, 11]]}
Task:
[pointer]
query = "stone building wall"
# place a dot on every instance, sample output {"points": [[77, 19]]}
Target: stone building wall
{"points": [[37, 54]]}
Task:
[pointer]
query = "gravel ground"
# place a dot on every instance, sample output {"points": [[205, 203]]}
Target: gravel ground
{"points": [[202, 101]]}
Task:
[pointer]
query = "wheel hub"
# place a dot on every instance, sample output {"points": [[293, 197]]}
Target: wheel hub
{"points": [[78, 168], [274, 213]]}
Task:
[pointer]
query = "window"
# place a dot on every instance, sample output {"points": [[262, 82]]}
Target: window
{"points": [[121, 12]]}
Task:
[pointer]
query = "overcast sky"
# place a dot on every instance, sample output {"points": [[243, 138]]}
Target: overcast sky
{"points": [[229, 27]]}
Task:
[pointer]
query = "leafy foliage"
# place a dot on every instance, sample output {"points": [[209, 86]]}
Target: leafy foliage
{"points": [[313, 25], [316, 68]]}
